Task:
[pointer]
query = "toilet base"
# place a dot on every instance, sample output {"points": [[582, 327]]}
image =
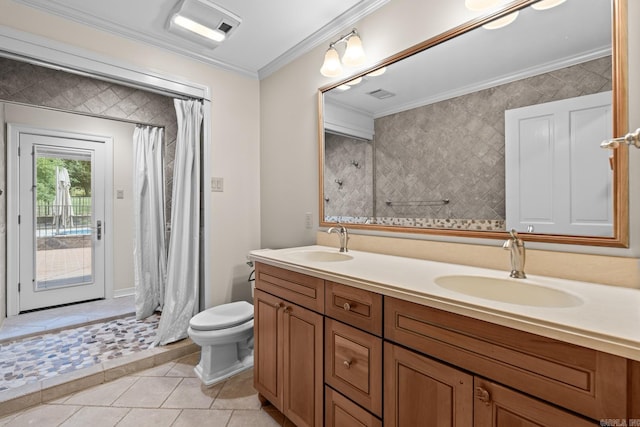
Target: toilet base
{"points": [[227, 360]]}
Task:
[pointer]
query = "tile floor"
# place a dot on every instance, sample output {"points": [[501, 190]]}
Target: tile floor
{"points": [[167, 395]]}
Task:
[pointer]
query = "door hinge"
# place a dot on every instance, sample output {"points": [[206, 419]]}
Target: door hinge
{"points": [[19, 219], [18, 286], [18, 150]]}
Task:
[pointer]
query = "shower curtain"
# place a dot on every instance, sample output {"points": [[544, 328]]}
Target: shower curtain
{"points": [[149, 252], [183, 264]]}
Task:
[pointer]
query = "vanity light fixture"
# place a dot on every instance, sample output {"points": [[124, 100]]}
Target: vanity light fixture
{"points": [[353, 55], [501, 22], [378, 72]]}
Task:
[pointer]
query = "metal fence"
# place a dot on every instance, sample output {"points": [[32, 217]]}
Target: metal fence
{"points": [[74, 219]]}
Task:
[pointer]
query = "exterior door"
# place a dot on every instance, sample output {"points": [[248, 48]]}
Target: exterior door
{"points": [[61, 218]]}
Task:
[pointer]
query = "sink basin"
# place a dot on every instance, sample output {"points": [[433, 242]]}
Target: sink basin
{"points": [[319, 256], [512, 291]]}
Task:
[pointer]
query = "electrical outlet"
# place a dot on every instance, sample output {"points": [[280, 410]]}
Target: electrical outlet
{"points": [[308, 220], [217, 184]]}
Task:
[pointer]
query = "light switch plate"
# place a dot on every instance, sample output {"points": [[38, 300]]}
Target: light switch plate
{"points": [[217, 184]]}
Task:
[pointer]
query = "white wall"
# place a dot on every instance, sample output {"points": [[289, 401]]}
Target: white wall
{"points": [[289, 122], [235, 214]]}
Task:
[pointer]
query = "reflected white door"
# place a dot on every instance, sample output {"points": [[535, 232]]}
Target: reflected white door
{"points": [[558, 179], [61, 213]]}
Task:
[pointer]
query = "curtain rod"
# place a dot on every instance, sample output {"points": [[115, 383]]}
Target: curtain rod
{"points": [[82, 113]]}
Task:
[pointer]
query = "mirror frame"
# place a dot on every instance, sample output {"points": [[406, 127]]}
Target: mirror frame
{"points": [[619, 54]]}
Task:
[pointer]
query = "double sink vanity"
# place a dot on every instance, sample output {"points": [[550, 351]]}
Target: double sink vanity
{"points": [[358, 338]]}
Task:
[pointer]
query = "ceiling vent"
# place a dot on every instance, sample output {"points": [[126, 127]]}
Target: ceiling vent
{"points": [[202, 22], [381, 94]]}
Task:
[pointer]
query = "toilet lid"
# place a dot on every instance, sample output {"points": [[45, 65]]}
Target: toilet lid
{"points": [[222, 316]]}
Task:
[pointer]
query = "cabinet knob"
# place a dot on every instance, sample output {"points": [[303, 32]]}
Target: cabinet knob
{"points": [[346, 306], [278, 306], [347, 363], [287, 310], [483, 395]]}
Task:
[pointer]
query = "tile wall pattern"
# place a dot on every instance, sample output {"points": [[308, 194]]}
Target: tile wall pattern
{"points": [[454, 150], [355, 196], [41, 86]]}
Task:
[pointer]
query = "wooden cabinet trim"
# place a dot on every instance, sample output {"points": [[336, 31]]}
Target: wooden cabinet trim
{"points": [[306, 291], [358, 417], [362, 380], [445, 336], [498, 406], [458, 384], [364, 310]]}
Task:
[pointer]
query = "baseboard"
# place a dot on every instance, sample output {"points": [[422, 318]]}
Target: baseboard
{"points": [[117, 293]]}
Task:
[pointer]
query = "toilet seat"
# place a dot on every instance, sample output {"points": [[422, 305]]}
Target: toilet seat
{"points": [[222, 316]]}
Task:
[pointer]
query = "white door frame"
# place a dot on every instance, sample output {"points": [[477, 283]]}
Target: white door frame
{"points": [[25, 46], [13, 207]]}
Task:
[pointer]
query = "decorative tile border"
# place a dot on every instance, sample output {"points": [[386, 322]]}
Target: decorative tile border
{"points": [[453, 224]]}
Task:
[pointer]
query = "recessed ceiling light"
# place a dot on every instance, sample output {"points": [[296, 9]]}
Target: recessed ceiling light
{"points": [[200, 29]]}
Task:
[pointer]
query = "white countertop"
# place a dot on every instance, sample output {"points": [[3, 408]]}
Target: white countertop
{"points": [[607, 319]]}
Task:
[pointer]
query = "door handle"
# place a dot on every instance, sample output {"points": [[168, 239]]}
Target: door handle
{"points": [[99, 230]]}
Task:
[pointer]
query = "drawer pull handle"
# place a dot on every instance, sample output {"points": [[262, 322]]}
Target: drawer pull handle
{"points": [[483, 395], [347, 363], [346, 306]]}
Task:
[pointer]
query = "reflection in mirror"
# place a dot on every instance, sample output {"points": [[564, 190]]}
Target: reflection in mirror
{"points": [[486, 131]]}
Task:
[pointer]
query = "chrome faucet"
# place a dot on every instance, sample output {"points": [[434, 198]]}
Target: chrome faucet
{"points": [[515, 245], [344, 236]]}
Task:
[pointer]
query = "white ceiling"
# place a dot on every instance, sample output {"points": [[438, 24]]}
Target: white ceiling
{"points": [[271, 34]]}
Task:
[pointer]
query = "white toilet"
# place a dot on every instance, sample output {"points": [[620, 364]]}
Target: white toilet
{"points": [[225, 334]]}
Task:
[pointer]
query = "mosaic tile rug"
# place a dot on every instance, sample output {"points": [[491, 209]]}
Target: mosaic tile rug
{"points": [[44, 356]]}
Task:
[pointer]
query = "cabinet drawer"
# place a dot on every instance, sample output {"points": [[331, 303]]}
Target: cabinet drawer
{"points": [[298, 288], [341, 412], [355, 307], [353, 364], [587, 381]]}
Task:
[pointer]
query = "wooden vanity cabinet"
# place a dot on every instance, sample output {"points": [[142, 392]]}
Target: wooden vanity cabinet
{"points": [[288, 344], [582, 380]]}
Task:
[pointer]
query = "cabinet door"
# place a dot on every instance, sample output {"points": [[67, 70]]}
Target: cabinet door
{"points": [[419, 391], [498, 406], [302, 370], [267, 368], [341, 412]]}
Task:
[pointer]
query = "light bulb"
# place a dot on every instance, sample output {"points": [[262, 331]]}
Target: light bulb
{"points": [[331, 66], [501, 22], [354, 81], [378, 72], [547, 4], [354, 54]]}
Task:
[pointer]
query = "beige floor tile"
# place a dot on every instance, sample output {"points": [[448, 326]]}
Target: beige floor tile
{"points": [[147, 392], [102, 395], [248, 418], [238, 393], [184, 366], [203, 417], [7, 419], [156, 371], [149, 418], [190, 393], [96, 416], [43, 416]]}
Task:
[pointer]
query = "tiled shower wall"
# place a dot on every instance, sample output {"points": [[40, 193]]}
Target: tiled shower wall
{"points": [[454, 149], [355, 195], [41, 86]]}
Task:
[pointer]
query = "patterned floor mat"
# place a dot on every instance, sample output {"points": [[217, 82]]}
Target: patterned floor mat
{"points": [[44, 356]]}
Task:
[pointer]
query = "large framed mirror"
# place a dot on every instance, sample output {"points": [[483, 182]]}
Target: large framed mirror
{"points": [[478, 131]]}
